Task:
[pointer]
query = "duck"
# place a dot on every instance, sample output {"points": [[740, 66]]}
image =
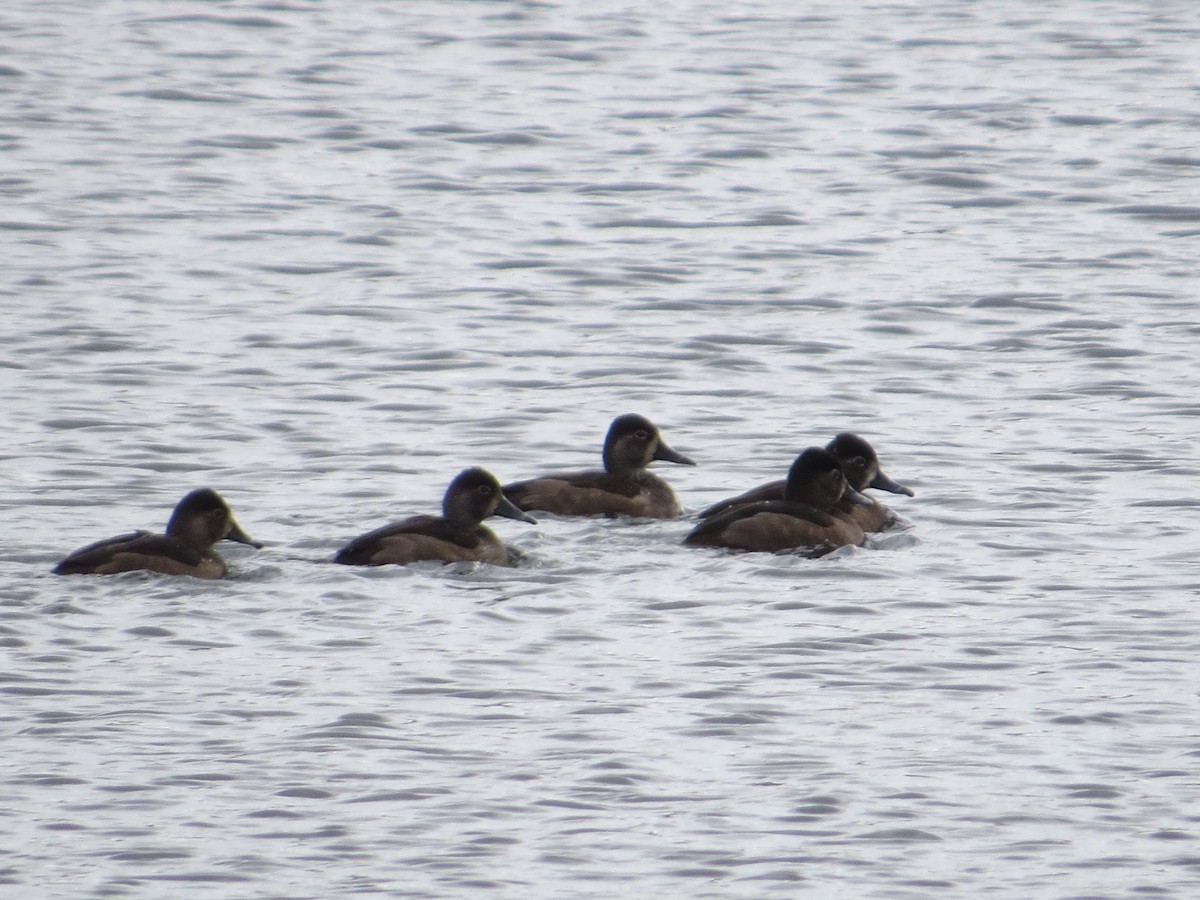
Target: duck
{"points": [[623, 488], [457, 535], [200, 520], [803, 519], [860, 464]]}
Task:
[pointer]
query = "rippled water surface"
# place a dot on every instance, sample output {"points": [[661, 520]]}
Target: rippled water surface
{"points": [[321, 257]]}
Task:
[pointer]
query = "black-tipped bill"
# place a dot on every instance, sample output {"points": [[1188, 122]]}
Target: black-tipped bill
{"points": [[509, 510], [666, 454], [882, 483], [236, 534]]}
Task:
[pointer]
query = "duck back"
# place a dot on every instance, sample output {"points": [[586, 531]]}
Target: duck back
{"points": [[421, 538]]}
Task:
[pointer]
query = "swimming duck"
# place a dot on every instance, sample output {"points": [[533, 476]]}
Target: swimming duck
{"points": [[457, 535], [623, 488], [860, 464], [802, 519], [200, 520]]}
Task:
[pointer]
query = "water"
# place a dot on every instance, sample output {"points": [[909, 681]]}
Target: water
{"points": [[322, 258]]}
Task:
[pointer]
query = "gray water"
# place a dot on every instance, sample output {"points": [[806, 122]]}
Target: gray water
{"points": [[321, 257]]}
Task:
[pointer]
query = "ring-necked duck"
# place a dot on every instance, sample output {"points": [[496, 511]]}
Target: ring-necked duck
{"points": [[200, 520], [802, 519], [860, 464], [457, 535], [624, 488]]}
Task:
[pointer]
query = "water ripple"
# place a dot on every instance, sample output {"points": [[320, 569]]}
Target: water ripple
{"points": [[322, 262]]}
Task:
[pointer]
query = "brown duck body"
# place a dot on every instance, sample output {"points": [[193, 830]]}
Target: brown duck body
{"points": [[775, 526], [871, 517], [623, 488], [634, 493], [860, 464], [764, 493], [142, 550], [804, 519], [457, 535], [424, 538], [200, 520]]}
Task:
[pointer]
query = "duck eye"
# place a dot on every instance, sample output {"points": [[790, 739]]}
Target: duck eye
{"points": [[485, 489], [642, 435]]}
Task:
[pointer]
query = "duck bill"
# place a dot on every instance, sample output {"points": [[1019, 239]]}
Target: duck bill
{"points": [[882, 483], [236, 534], [509, 510], [666, 454]]}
